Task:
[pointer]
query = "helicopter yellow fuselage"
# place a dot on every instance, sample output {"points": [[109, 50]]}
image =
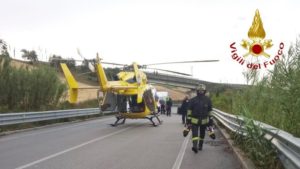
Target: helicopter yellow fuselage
{"points": [[128, 84]]}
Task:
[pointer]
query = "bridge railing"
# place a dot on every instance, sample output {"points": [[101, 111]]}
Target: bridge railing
{"points": [[288, 146], [25, 117]]}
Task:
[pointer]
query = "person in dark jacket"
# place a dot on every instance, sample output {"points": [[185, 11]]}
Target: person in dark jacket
{"points": [[162, 103], [184, 108], [198, 116], [169, 104]]}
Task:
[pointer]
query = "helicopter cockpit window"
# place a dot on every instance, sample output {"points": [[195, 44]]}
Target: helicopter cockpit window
{"points": [[115, 77], [131, 80]]}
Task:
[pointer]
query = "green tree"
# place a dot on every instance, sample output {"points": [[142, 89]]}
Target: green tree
{"points": [[4, 71], [3, 49], [30, 55]]}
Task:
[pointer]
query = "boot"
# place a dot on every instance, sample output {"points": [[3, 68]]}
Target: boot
{"points": [[195, 150], [200, 145]]}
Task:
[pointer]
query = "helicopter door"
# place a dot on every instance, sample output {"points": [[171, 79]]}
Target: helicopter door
{"points": [[109, 103], [134, 106], [122, 103], [129, 104], [149, 100]]}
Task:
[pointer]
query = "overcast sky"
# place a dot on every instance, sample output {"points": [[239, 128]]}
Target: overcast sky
{"points": [[147, 31]]}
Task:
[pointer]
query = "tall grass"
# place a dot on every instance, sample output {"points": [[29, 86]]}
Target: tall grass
{"points": [[274, 100], [24, 89], [254, 144]]}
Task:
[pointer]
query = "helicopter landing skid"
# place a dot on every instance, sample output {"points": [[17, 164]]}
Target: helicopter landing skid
{"points": [[118, 119], [151, 119]]}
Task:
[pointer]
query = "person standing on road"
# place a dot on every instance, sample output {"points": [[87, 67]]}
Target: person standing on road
{"points": [[169, 106], [183, 109], [198, 116], [162, 103]]}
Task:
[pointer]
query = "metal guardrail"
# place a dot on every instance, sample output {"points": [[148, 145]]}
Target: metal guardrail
{"points": [[287, 145], [16, 118]]}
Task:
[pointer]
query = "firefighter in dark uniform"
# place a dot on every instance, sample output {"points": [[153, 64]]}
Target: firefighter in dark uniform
{"points": [[198, 116]]}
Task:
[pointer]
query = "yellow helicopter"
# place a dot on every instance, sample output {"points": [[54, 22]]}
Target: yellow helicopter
{"points": [[130, 95]]}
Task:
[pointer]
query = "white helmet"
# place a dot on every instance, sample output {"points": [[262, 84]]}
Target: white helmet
{"points": [[201, 87]]}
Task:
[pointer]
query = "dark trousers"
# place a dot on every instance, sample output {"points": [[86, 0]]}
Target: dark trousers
{"points": [[168, 111], [183, 117], [162, 109], [198, 134]]}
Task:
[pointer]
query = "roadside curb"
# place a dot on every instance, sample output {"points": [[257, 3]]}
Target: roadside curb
{"points": [[244, 161]]}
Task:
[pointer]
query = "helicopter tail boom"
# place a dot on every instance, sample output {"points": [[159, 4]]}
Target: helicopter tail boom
{"points": [[73, 85], [106, 85], [101, 77]]}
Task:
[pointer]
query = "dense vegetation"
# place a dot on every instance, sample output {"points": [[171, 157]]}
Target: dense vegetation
{"points": [[273, 99], [27, 88]]}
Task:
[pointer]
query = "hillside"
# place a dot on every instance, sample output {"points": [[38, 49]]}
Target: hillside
{"points": [[18, 64], [83, 95], [175, 93], [88, 94]]}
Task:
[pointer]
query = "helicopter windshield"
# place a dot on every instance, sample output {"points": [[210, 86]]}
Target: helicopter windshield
{"points": [[131, 80]]}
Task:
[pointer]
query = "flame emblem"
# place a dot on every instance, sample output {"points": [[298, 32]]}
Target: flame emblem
{"points": [[256, 33]]}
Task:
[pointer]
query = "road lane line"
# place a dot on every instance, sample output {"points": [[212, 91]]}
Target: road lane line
{"points": [[71, 149], [8, 138], [179, 158]]}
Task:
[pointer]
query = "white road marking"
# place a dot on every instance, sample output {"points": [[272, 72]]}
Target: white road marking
{"points": [[179, 158], [51, 130], [71, 149]]}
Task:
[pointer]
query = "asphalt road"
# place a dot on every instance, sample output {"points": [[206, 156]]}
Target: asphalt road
{"points": [[96, 145]]}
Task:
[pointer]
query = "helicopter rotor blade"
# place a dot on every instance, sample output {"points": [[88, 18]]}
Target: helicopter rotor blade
{"points": [[89, 60], [170, 71], [111, 63], [62, 59], [90, 65], [193, 61], [79, 53]]}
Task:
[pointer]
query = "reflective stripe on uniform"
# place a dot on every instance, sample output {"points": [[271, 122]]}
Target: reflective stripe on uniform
{"points": [[194, 120], [204, 121], [189, 113], [195, 138]]}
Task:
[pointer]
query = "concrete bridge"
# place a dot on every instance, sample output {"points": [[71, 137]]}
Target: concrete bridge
{"points": [[186, 82]]}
